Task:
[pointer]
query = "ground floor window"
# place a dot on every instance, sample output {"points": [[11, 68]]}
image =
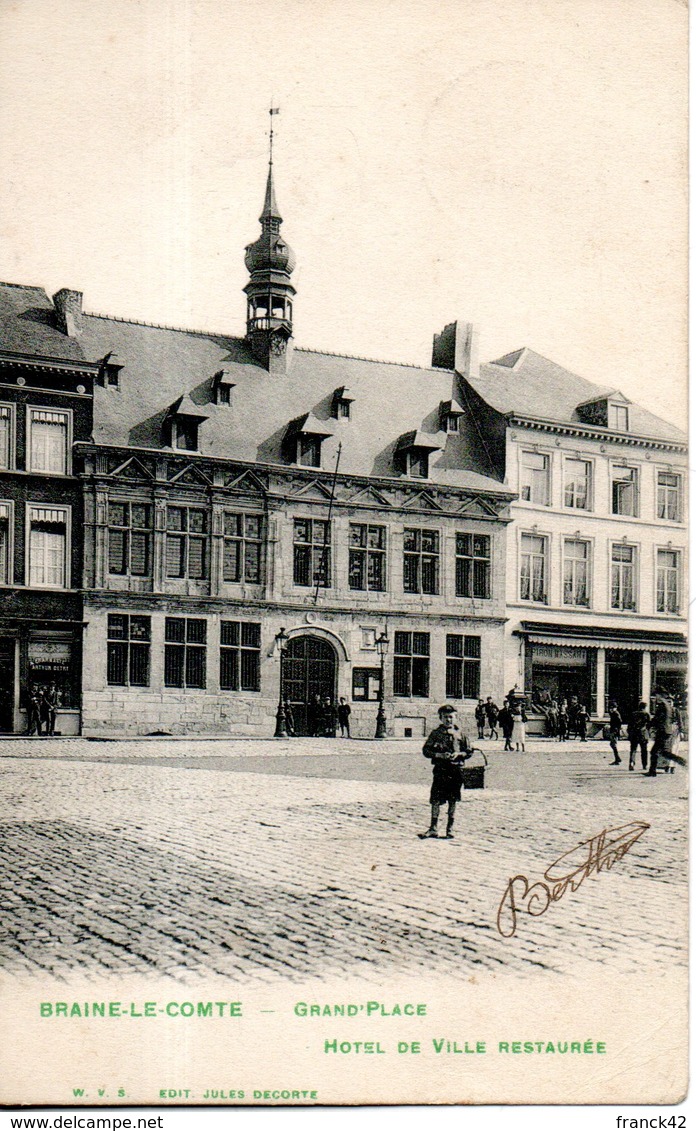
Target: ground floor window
{"points": [[184, 652], [128, 650], [240, 655], [412, 664], [463, 670]]}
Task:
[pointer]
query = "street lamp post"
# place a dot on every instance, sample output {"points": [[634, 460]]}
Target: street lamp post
{"points": [[382, 643], [281, 730]]}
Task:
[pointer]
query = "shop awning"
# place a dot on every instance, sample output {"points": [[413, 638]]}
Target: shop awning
{"points": [[575, 636]]}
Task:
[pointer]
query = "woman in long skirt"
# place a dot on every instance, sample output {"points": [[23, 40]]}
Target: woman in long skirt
{"points": [[518, 729]]}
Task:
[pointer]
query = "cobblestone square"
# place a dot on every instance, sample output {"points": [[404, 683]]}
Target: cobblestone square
{"points": [[301, 859]]}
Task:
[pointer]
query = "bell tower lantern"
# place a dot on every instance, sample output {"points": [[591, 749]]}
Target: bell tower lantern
{"points": [[270, 262]]}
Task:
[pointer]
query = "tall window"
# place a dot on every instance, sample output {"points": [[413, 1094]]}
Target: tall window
{"points": [[421, 561], [48, 547], [48, 441], [623, 576], [576, 572], [668, 581], [473, 565], [6, 420], [130, 538], [669, 496], [128, 650], [5, 536], [577, 491], [533, 568], [618, 417], [242, 548], [184, 652], [367, 557], [412, 664], [187, 543], [624, 490], [463, 672], [240, 655], [534, 486], [312, 552]]}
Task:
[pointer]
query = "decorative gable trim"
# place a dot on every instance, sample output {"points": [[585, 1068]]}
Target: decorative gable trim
{"points": [[190, 476], [423, 501], [313, 489], [369, 495], [132, 469], [246, 482], [478, 505]]}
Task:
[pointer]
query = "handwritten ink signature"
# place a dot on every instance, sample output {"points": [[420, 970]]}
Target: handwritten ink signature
{"points": [[566, 874]]}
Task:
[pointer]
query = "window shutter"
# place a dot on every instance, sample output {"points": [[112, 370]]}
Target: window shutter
{"points": [[140, 554], [117, 551]]}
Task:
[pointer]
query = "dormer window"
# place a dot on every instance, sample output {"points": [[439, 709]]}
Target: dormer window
{"points": [[182, 423], [418, 462], [110, 370], [413, 451], [185, 433], [340, 403], [222, 388], [618, 417], [304, 438], [451, 413], [609, 411], [308, 451]]}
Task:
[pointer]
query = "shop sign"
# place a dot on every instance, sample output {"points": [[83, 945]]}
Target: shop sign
{"points": [[558, 656]]}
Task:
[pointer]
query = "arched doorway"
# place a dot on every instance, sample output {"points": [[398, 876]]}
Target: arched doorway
{"points": [[309, 670]]}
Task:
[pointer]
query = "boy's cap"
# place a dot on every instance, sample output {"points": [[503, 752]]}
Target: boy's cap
{"points": [[446, 709]]}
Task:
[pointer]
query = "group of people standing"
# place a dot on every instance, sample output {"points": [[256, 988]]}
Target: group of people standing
{"points": [[566, 719], [42, 705], [324, 717], [510, 719]]}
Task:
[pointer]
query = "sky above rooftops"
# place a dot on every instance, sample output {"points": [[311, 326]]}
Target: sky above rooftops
{"points": [[516, 165]]}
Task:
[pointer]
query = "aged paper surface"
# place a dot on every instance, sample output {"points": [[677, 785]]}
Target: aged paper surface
{"points": [[194, 911]]}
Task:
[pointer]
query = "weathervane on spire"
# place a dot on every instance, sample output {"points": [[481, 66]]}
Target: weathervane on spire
{"points": [[273, 110]]}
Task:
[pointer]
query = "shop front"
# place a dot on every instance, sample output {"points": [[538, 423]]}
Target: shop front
{"points": [[600, 665], [45, 660]]}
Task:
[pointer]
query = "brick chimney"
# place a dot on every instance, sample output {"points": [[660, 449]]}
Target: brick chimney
{"points": [[68, 308], [456, 347]]}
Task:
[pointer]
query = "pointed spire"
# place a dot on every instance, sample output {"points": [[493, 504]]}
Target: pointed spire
{"points": [[270, 206]]}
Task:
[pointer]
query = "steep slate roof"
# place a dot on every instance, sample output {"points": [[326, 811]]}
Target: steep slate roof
{"points": [[527, 384], [28, 325], [161, 365]]}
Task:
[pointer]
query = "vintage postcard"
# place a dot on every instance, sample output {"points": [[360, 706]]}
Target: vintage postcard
{"points": [[343, 548]]}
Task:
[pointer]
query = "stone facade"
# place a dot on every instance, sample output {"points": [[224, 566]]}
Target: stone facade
{"points": [[347, 619]]}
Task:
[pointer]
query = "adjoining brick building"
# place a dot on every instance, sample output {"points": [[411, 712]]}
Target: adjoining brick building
{"points": [[596, 577], [46, 388]]}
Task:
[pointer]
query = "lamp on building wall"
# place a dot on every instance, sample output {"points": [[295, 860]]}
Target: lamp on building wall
{"points": [[382, 645], [281, 641]]}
